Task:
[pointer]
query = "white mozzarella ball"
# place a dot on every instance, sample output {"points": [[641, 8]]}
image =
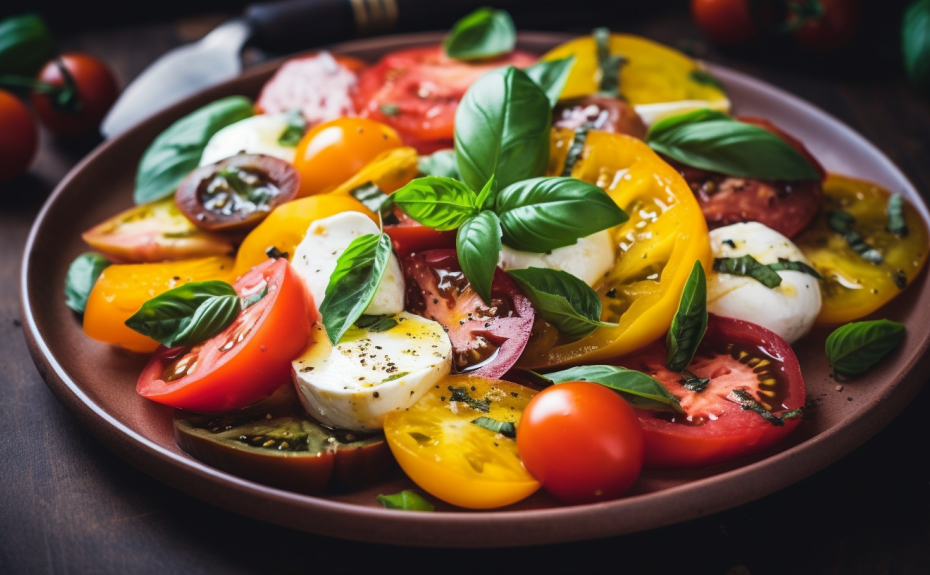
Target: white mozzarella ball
{"points": [[255, 135], [589, 259]]}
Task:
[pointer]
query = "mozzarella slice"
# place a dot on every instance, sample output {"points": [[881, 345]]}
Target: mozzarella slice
{"points": [[316, 256], [789, 309], [589, 259], [255, 135], [369, 374], [652, 113]]}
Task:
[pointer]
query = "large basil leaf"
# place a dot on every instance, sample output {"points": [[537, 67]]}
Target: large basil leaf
{"points": [[561, 299], [177, 150], [485, 33], [690, 321], [639, 389], [82, 275], [551, 76], [502, 129], [25, 45], [406, 500], [440, 203], [187, 315], [855, 347], [715, 142], [543, 214], [355, 280], [478, 245], [440, 163], [915, 43]]}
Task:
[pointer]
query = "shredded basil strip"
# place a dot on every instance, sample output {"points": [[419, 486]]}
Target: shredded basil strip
{"points": [[705, 78], [274, 253], [505, 428], [692, 382], [376, 323], [82, 275], [855, 347], [748, 266], [373, 198], [296, 125], [690, 321], [841, 222], [784, 264], [406, 500], [460, 394], [608, 64], [747, 402], [577, 147], [896, 222]]}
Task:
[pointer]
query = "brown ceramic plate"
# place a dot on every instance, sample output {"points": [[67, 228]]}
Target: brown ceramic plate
{"points": [[97, 382]]}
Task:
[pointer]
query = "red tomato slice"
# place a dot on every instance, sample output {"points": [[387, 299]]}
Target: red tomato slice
{"points": [[486, 341], [785, 206], [417, 90], [321, 86], [249, 359], [409, 236], [733, 355]]}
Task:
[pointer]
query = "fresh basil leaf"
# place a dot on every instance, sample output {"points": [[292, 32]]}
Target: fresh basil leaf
{"points": [[915, 43], [250, 300], [376, 323], [406, 500], [543, 214], [722, 144], [502, 129], [551, 76], [561, 299], [441, 163], [82, 275], [478, 245], [485, 33], [577, 147], [296, 126], [359, 271], [609, 64], [187, 315], [373, 198], [692, 382], [896, 222], [690, 321], [855, 347], [25, 45], [705, 78], [748, 266], [440, 203], [841, 222], [177, 150], [460, 394], [485, 193], [505, 428], [639, 389], [747, 402], [793, 266]]}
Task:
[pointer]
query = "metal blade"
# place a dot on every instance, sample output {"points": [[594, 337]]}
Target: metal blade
{"points": [[178, 74]]}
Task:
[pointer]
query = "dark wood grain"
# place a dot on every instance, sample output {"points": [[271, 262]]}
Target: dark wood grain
{"points": [[68, 505]]}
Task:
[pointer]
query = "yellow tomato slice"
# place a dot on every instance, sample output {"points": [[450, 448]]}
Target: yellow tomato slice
{"points": [[390, 171], [286, 226], [122, 289], [657, 248], [854, 287], [442, 451], [156, 232]]}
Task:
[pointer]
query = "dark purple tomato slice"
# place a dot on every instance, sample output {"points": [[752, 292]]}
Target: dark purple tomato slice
{"points": [[599, 113]]}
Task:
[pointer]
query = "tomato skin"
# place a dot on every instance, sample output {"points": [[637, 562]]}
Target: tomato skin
{"points": [[409, 236], [96, 89], [19, 138], [256, 365], [833, 29], [582, 441], [724, 21]]}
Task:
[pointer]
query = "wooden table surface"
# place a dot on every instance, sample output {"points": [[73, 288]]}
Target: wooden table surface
{"points": [[67, 505]]}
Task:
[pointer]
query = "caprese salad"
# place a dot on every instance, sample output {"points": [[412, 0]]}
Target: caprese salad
{"points": [[501, 271]]}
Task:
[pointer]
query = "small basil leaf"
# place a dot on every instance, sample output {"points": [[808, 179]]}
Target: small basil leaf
{"points": [[543, 214], [561, 299], [896, 222], [25, 45], [406, 500], [746, 401], [461, 394], [441, 163], [355, 280], [551, 76], [440, 203], [608, 64], [376, 323], [841, 222], [505, 428], [187, 315], [373, 198], [478, 244], [793, 266], [577, 147], [690, 321], [705, 78], [82, 275], [485, 33], [639, 389], [177, 150], [855, 347], [915, 43], [724, 145], [296, 126], [502, 129], [748, 266], [250, 300], [485, 193]]}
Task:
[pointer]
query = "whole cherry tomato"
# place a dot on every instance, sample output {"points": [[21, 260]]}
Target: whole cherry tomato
{"points": [[833, 28], [19, 138], [724, 21], [95, 90], [582, 441]]}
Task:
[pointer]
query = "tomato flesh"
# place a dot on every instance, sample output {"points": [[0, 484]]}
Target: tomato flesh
{"points": [[409, 236]]}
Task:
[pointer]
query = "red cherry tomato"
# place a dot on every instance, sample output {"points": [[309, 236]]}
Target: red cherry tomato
{"points": [[410, 236], [833, 28], [724, 21], [486, 340], [248, 360], [714, 427], [96, 92], [417, 90], [581, 441], [19, 138]]}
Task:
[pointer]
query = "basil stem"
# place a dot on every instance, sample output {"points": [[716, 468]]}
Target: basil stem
{"points": [[561, 299], [82, 275], [841, 222], [637, 388], [748, 266], [690, 321], [855, 347]]}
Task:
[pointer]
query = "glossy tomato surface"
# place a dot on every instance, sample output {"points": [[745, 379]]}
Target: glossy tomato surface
{"points": [[19, 138], [486, 339], [417, 90], [248, 360], [724, 21], [734, 355], [96, 92], [834, 27], [408, 236], [582, 441]]}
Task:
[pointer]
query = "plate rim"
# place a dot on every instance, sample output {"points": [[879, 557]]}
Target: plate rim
{"points": [[349, 521]]}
